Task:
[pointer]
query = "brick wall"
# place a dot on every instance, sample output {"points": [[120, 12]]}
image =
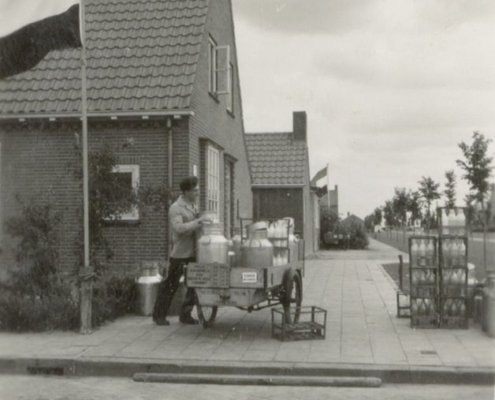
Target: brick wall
{"points": [[37, 163], [213, 121], [37, 159], [147, 239]]}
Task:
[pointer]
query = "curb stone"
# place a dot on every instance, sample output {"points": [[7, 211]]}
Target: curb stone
{"points": [[130, 367]]}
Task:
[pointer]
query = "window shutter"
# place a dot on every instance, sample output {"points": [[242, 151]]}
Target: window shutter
{"points": [[223, 74]]}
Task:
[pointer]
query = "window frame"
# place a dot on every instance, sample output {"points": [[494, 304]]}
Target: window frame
{"points": [[213, 179], [212, 66], [133, 214]]}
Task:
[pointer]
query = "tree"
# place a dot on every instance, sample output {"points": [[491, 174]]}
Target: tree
{"points": [[388, 213], [477, 169], [414, 206], [377, 216], [399, 205], [428, 190], [368, 223], [449, 192]]}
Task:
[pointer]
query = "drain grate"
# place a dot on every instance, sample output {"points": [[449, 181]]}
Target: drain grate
{"points": [[428, 352], [45, 370]]}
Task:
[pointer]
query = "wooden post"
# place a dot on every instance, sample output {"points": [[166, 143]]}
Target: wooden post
{"points": [[401, 266], [86, 273], [86, 276]]}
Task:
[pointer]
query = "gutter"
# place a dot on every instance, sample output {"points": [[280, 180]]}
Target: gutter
{"points": [[270, 186], [100, 114]]}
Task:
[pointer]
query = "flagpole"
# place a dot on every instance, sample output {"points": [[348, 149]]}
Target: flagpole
{"points": [[86, 273], [328, 186]]}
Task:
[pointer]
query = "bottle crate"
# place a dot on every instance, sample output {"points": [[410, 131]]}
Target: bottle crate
{"points": [[454, 313], [424, 312], [453, 251], [307, 323], [454, 282], [452, 221], [423, 282], [423, 252], [403, 304]]}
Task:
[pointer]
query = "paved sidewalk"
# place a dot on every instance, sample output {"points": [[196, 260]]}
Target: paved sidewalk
{"points": [[363, 332]]}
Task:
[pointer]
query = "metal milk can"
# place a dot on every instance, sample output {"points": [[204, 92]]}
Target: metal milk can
{"points": [[236, 246], [293, 248], [488, 307], [213, 246], [147, 287], [257, 251]]}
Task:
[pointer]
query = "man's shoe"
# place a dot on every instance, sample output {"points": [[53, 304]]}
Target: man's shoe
{"points": [[161, 321], [189, 320]]}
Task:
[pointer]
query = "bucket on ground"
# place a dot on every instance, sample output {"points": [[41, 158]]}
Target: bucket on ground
{"points": [[147, 287]]}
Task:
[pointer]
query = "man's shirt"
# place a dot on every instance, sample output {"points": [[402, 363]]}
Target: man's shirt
{"points": [[181, 214]]}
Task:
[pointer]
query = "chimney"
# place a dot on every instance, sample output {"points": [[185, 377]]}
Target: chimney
{"points": [[299, 125]]}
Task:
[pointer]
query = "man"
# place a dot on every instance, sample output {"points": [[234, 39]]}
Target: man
{"points": [[184, 222]]}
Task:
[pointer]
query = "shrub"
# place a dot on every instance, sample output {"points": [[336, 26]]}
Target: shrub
{"points": [[36, 298], [21, 309], [112, 298], [358, 239]]}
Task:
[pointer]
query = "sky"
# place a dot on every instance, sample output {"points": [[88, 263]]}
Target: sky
{"points": [[390, 87]]}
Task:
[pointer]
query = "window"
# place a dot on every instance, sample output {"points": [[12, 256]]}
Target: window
{"points": [[213, 180], [1, 219], [212, 79], [229, 196], [230, 95], [128, 178]]}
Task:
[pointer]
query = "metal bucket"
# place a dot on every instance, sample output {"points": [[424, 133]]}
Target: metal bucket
{"points": [[488, 317], [147, 287], [147, 290]]}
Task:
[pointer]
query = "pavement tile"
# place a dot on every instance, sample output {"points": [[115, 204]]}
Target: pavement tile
{"points": [[259, 355], [451, 351], [387, 349]]}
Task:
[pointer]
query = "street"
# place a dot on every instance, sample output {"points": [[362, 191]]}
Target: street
{"points": [[14, 387]]}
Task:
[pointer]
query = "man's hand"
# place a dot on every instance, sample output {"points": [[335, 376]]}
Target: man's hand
{"points": [[204, 219]]}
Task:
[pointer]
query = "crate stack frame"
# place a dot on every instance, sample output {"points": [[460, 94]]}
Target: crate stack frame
{"points": [[419, 290], [453, 292]]}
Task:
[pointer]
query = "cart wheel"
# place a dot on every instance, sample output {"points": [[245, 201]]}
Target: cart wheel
{"points": [[206, 314], [291, 294]]}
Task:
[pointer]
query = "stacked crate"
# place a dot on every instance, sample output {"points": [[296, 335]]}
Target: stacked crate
{"points": [[424, 281], [453, 268]]}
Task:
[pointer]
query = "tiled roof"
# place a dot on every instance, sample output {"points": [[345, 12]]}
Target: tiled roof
{"points": [[276, 159], [142, 56]]}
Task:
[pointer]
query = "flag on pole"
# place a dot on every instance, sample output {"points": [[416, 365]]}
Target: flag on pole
{"points": [[322, 173], [24, 45]]}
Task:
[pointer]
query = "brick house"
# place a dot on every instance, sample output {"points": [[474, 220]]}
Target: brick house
{"points": [[279, 164], [158, 93]]}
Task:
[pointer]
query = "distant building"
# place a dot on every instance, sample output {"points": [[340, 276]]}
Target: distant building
{"points": [[352, 220], [330, 201], [279, 165]]}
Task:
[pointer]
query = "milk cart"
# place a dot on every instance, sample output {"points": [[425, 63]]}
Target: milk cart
{"points": [[248, 288]]}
